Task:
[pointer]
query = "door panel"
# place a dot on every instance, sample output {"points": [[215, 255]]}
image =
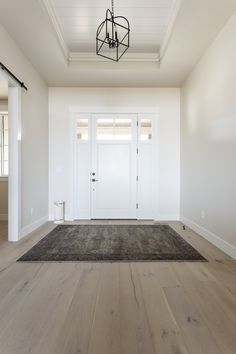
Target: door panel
{"points": [[114, 187]]}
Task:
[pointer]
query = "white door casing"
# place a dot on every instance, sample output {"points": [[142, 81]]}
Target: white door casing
{"points": [[14, 178], [116, 165]]}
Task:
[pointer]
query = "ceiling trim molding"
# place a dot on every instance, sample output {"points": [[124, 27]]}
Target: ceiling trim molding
{"points": [[48, 6], [92, 57], [175, 10], [129, 57]]}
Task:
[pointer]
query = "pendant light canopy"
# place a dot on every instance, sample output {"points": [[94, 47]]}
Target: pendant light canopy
{"points": [[112, 39]]}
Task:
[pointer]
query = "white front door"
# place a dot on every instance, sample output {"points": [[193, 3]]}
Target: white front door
{"points": [[114, 166]]}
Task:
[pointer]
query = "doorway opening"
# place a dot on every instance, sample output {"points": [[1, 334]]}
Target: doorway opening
{"points": [[10, 96]]}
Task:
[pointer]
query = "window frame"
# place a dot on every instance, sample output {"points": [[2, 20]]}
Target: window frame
{"points": [[80, 140], [145, 141], [3, 177], [114, 127]]}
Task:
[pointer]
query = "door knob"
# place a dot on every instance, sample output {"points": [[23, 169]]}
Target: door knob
{"points": [[94, 180]]}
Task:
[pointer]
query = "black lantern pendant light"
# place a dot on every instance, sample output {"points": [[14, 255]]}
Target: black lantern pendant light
{"points": [[112, 38]]}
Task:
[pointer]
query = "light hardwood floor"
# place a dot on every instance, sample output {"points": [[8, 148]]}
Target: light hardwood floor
{"points": [[119, 308]]}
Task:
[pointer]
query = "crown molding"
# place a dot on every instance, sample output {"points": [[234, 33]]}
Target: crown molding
{"points": [[92, 57], [128, 57], [175, 10], [49, 8]]}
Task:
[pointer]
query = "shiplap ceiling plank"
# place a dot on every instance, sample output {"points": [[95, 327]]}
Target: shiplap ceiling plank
{"points": [[150, 12], [107, 3], [79, 19]]}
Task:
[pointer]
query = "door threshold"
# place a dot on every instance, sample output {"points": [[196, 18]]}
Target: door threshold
{"points": [[114, 219]]}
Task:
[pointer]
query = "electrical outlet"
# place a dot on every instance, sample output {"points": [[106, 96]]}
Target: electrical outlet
{"points": [[203, 214], [31, 211]]}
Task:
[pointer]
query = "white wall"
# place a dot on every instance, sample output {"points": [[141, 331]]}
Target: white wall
{"points": [[208, 143], [3, 105], [34, 134], [167, 100], [3, 199]]}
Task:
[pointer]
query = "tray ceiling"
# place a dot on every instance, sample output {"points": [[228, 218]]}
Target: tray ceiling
{"points": [[188, 30], [76, 22]]}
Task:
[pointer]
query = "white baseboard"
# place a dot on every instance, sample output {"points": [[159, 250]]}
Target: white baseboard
{"points": [[3, 217], [67, 218], [167, 217], [32, 227], [224, 246]]}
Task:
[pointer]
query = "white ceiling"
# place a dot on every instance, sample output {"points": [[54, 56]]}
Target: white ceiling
{"points": [[79, 19], [190, 31]]}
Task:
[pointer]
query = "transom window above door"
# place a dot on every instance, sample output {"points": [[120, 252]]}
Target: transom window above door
{"points": [[114, 129]]}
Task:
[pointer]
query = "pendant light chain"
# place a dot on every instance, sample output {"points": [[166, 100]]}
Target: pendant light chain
{"points": [[112, 7]]}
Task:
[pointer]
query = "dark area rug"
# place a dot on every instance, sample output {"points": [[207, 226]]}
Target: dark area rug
{"points": [[111, 243]]}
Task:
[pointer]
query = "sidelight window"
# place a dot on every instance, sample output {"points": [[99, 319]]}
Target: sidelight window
{"points": [[82, 129], [145, 129], [3, 145]]}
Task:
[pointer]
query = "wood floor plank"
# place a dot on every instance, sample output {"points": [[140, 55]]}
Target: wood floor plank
{"points": [[105, 334], [165, 330], [75, 327], [36, 309], [191, 273], [197, 336], [15, 276], [15, 293], [224, 272], [204, 294], [136, 337], [220, 325], [164, 273]]}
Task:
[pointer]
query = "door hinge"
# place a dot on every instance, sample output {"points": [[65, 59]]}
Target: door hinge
{"points": [[137, 123], [137, 206], [136, 178], [137, 150]]}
